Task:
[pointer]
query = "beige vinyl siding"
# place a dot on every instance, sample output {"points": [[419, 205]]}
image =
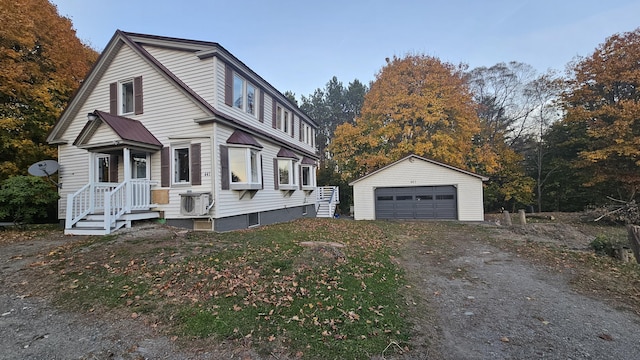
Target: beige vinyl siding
{"points": [[103, 134], [168, 113], [228, 202], [416, 172], [197, 74], [251, 120]]}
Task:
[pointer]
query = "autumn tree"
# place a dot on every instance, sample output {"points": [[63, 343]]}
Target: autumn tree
{"points": [[416, 105], [604, 97], [42, 62]]}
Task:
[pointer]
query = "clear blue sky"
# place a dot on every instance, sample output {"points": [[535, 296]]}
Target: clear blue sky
{"points": [[299, 45]]}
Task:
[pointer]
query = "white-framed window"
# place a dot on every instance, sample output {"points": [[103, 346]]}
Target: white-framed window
{"points": [[254, 219], [244, 95], [308, 176], [286, 174], [102, 167], [308, 134], [181, 172], [244, 168], [126, 97], [283, 119]]}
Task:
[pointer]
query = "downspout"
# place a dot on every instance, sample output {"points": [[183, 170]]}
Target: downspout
{"points": [[214, 177]]}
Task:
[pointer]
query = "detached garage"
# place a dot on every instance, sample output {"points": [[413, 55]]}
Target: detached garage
{"points": [[419, 188]]}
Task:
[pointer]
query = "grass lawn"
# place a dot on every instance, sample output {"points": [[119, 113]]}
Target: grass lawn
{"points": [[259, 286]]}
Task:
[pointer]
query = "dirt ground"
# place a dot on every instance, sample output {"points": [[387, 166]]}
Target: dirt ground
{"points": [[468, 298]]}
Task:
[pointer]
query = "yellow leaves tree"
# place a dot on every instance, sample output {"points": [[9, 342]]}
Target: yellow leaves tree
{"points": [[417, 105], [605, 96], [41, 64]]}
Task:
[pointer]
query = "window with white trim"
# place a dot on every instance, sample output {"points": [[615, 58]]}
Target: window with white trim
{"points": [[308, 176], [244, 95], [286, 173], [181, 165], [308, 134], [126, 97], [283, 120], [244, 168], [254, 219]]}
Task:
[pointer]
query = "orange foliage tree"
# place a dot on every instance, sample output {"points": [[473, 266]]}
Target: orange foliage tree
{"points": [[417, 105], [41, 64], [604, 95]]}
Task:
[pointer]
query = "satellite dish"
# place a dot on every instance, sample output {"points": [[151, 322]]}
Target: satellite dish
{"points": [[45, 168]]}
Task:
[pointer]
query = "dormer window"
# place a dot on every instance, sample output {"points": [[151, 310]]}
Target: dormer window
{"points": [[244, 95], [283, 119]]}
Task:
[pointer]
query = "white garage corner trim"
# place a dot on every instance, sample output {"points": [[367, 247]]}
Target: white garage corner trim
{"points": [[418, 188]]}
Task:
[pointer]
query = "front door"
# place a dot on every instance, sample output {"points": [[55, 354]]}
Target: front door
{"points": [[140, 170], [102, 168]]}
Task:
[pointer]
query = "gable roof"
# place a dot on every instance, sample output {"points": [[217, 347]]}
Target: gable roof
{"points": [[413, 156], [202, 49], [130, 132]]}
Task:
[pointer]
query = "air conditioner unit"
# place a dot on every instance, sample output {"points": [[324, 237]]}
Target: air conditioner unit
{"points": [[194, 204]]}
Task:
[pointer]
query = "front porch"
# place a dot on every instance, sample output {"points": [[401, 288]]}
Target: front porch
{"points": [[102, 208]]}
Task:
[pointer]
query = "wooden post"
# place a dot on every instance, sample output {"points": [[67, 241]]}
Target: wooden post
{"points": [[634, 239], [522, 216], [507, 218]]}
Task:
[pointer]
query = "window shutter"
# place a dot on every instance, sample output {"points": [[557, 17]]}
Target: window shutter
{"points": [[113, 168], [300, 176], [196, 178], [113, 98], [273, 113], [165, 167], [224, 167], [261, 173], [228, 85], [261, 110], [276, 180], [301, 135], [293, 123], [137, 91]]}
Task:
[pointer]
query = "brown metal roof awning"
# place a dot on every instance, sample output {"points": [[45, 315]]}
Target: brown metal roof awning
{"points": [[242, 138], [285, 153], [129, 132]]}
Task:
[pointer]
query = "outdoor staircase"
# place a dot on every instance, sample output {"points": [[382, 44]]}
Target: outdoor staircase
{"points": [[94, 224], [327, 200], [102, 208]]}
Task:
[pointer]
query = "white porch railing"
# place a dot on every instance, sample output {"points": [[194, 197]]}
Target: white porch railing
{"points": [[111, 199], [327, 197]]}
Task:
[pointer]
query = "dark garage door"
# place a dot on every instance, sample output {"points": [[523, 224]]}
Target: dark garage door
{"points": [[420, 202]]}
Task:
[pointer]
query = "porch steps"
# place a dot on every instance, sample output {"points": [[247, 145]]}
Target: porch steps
{"points": [[324, 210], [93, 224], [327, 199]]}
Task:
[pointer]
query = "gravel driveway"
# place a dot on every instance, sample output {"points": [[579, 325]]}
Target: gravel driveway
{"points": [[492, 304], [470, 300]]}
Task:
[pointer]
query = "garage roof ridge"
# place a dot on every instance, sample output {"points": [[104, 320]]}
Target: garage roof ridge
{"points": [[483, 178]]}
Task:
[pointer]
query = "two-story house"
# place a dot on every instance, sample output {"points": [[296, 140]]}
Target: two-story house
{"points": [[184, 131]]}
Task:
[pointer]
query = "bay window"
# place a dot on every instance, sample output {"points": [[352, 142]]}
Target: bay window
{"points": [[244, 168]]}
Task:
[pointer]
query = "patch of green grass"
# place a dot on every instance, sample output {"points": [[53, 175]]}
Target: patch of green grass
{"points": [[318, 302]]}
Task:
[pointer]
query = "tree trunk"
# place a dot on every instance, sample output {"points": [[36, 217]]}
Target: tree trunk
{"points": [[634, 239], [507, 218]]}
